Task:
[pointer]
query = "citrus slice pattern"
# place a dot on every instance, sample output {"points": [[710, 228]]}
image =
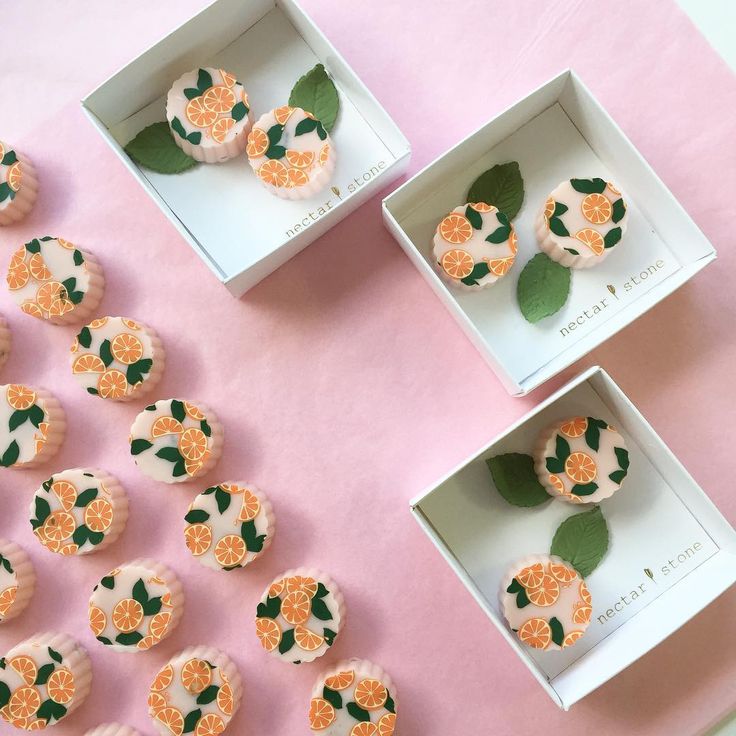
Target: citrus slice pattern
{"points": [[12, 207], [592, 238], [457, 263], [455, 229], [198, 691], [536, 633], [321, 714], [135, 606], [596, 208]]}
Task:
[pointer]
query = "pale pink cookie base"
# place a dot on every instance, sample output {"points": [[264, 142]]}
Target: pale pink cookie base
{"points": [[226, 666], [556, 253], [6, 341], [25, 197], [56, 431], [112, 729], [224, 151], [25, 577], [84, 310]]}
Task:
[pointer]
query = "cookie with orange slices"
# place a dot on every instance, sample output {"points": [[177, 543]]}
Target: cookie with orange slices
{"points": [[32, 426], [474, 246], [78, 511], [6, 341], [291, 153], [581, 221], [42, 680], [117, 358], [229, 525], [17, 580], [581, 459], [53, 280], [197, 692], [545, 602], [175, 440], [112, 729], [353, 698], [18, 185], [300, 615], [209, 114], [136, 606]]}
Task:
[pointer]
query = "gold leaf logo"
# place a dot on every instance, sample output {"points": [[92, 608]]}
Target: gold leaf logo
{"points": [[336, 192], [649, 574], [612, 289]]}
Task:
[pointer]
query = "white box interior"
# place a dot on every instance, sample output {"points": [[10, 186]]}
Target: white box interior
{"points": [[223, 210], [555, 133], [660, 520]]}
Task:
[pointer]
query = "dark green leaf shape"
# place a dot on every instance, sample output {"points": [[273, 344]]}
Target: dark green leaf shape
{"points": [[515, 479], [554, 465], [277, 152], [108, 582], [78, 257], [287, 641], [6, 192], [329, 636], [204, 81], [4, 693], [618, 476], [357, 712], [560, 209], [191, 720], [9, 158], [562, 450], [593, 432], [84, 337], [104, 640], [223, 500], [179, 469], [94, 537], [140, 593], [499, 235], [205, 427], [5, 562], [195, 138], [106, 353], [3, 664], [10, 455], [44, 673], [51, 711], [315, 92], [34, 246], [253, 540], [582, 540], [18, 417], [208, 491], [136, 371], [622, 455], [153, 606], [81, 534], [612, 237], [274, 134], [501, 186], [573, 251], [558, 633], [588, 186], [333, 697], [36, 415], [270, 609], [239, 111], [305, 126], [138, 446], [558, 227], [480, 270], [474, 217], [130, 639], [321, 591], [207, 695], [42, 509], [85, 497], [155, 148], [389, 705], [196, 516], [320, 610], [543, 288], [584, 489], [171, 454], [517, 589], [177, 410], [618, 210], [191, 92]]}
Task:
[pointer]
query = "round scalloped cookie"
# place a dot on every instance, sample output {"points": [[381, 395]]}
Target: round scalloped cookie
{"points": [[229, 525], [175, 440], [581, 222], [117, 358], [52, 279], [112, 729], [291, 153], [545, 602], [209, 115], [6, 341], [79, 511], [136, 606], [300, 615], [474, 246], [45, 678], [17, 580], [581, 459], [32, 426], [351, 693], [18, 185], [198, 691]]}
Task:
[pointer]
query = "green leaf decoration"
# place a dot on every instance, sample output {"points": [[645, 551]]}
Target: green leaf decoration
{"points": [[84, 337], [274, 134], [196, 516], [618, 476], [154, 148], [618, 210], [622, 455], [208, 491], [515, 479], [108, 582], [329, 636], [270, 609], [558, 633], [321, 591], [543, 288], [195, 138], [588, 186], [191, 719], [171, 454], [333, 697], [223, 500], [18, 417], [10, 455], [130, 639], [517, 589], [179, 469], [612, 237], [305, 126], [287, 641], [3, 664], [177, 410], [150, 407], [480, 270], [315, 92], [499, 235], [239, 111], [106, 353], [582, 540], [104, 640], [138, 446], [80, 535], [36, 414], [86, 497], [560, 209], [558, 227], [204, 81], [205, 427], [573, 251], [44, 673], [4, 693], [9, 158], [474, 217], [584, 489], [51, 711], [5, 562], [191, 92], [320, 610], [389, 705], [46, 485], [207, 695], [136, 371], [555, 466], [42, 509], [277, 152], [153, 606], [75, 297], [501, 186], [55, 655], [357, 712], [140, 593], [253, 540], [6, 192], [593, 432], [94, 538]]}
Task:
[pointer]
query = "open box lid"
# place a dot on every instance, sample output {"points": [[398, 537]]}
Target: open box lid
{"points": [[557, 131], [690, 561]]}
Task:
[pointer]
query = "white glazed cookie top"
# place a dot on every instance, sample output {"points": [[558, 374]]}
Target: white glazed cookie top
{"points": [[585, 217], [36, 687], [11, 175], [112, 357], [131, 608], [192, 695], [207, 107], [8, 587], [171, 440], [546, 603], [586, 460], [288, 147], [351, 701], [24, 424], [72, 511], [227, 526], [297, 619], [48, 277]]}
